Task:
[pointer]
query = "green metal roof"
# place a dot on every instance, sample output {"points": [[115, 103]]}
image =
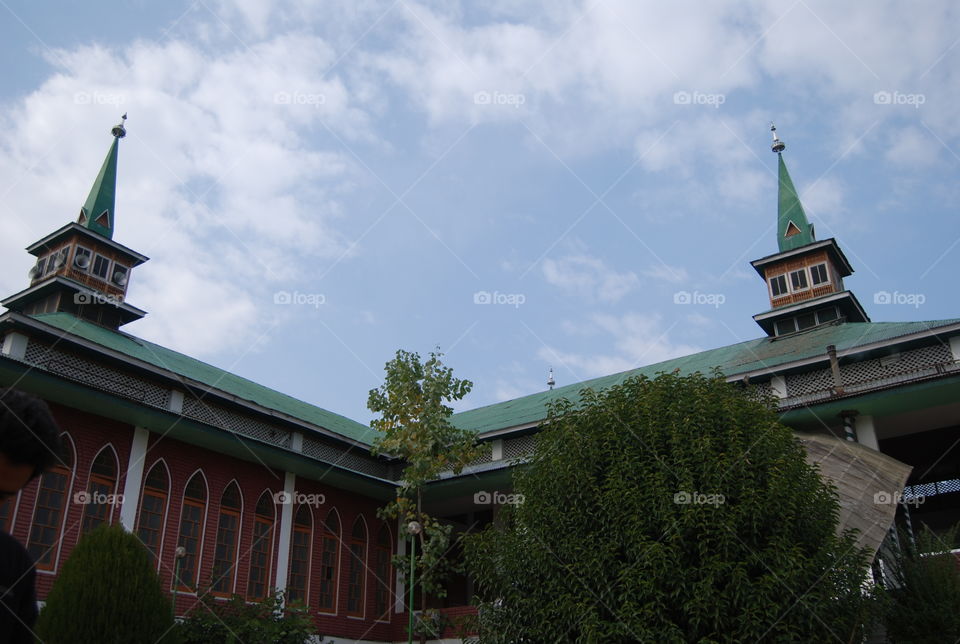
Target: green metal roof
{"points": [[734, 359], [790, 213], [102, 197], [207, 374]]}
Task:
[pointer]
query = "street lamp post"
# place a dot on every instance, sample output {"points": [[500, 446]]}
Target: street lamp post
{"points": [[413, 529], [178, 554]]}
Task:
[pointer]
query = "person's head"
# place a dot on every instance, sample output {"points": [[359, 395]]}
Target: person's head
{"points": [[29, 439]]}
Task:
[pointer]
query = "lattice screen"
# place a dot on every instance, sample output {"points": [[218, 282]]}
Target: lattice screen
{"points": [[518, 447], [355, 460], [219, 416], [96, 375]]}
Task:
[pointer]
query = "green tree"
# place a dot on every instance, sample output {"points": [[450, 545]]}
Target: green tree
{"points": [[415, 425], [236, 621], [109, 592], [920, 599], [674, 509]]}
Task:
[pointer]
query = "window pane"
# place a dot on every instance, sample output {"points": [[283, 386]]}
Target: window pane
{"points": [[101, 266], [260, 559], [299, 565], [806, 321], [328, 572], [151, 521], [825, 315], [778, 285], [818, 274], [190, 540], [355, 586], [785, 326], [98, 503], [799, 279], [46, 522], [225, 552]]}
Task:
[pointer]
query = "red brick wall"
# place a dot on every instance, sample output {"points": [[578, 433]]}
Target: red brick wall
{"points": [[90, 433]]}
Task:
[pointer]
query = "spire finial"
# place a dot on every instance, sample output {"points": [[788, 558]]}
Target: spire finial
{"points": [[118, 130], [778, 145], [550, 381]]}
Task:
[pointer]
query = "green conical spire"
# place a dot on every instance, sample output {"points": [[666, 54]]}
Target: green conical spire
{"points": [[793, 229], [97, 211]]}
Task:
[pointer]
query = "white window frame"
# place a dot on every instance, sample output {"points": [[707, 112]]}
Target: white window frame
{"points": [[806, 276], [786, 283], [826, 271], [93, 263], [833, 308], [776, 329]]}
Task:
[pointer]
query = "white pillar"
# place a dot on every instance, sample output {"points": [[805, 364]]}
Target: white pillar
{"points": [[867, 432], [778, 386], [134, 479], [286, 528], [175, 404], [954, 347], [496, 449], [14, 346]]}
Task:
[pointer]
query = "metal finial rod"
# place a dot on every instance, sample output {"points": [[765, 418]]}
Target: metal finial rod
{"points": [[778, 145], [550, 381]]}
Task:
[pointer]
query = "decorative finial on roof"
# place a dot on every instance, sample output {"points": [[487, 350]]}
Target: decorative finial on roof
{"points": [[550, 381], [778, 145], [118, 130]]}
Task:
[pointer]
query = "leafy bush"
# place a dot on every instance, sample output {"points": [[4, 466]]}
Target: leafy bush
{"points": [[234, 621], [676, 509], [920, 601], [108, 592]]}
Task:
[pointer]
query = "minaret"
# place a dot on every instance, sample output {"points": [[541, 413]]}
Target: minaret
{"points": [[805, 278], [80, 270]]}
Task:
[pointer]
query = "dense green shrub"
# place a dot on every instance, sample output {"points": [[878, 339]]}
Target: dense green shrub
{"points": [[920, 599], [676, 509], [107, 592], [235, 621]]}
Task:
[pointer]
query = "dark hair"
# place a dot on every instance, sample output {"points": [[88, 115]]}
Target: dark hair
{"points": [[28, 433]]}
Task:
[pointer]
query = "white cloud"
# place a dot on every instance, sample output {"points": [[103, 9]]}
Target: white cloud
{"points": [[666, 273], [589, 277], [214, 181], [912, 147], [638, 340]]}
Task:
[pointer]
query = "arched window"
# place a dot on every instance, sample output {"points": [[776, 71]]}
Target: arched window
{"points": [[52, 494], [153, 508], [358, 568], [381, 568], [191, 531], [228, 531], [261, 550], [99, 499], [297, 583], [329, 562]]}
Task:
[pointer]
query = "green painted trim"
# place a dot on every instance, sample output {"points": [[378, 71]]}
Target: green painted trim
{"points": [[467, 484], [888, 402], [77, 396]]}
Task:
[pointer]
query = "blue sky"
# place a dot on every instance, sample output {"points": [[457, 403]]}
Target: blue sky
{"points": [[524, 185]]}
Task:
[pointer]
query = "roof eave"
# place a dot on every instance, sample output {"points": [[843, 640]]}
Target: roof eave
{"points": [[14, 318], [830, 244], [38, 247]]}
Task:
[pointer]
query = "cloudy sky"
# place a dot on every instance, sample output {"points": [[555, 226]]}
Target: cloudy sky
{"points": [[523, 184]]}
